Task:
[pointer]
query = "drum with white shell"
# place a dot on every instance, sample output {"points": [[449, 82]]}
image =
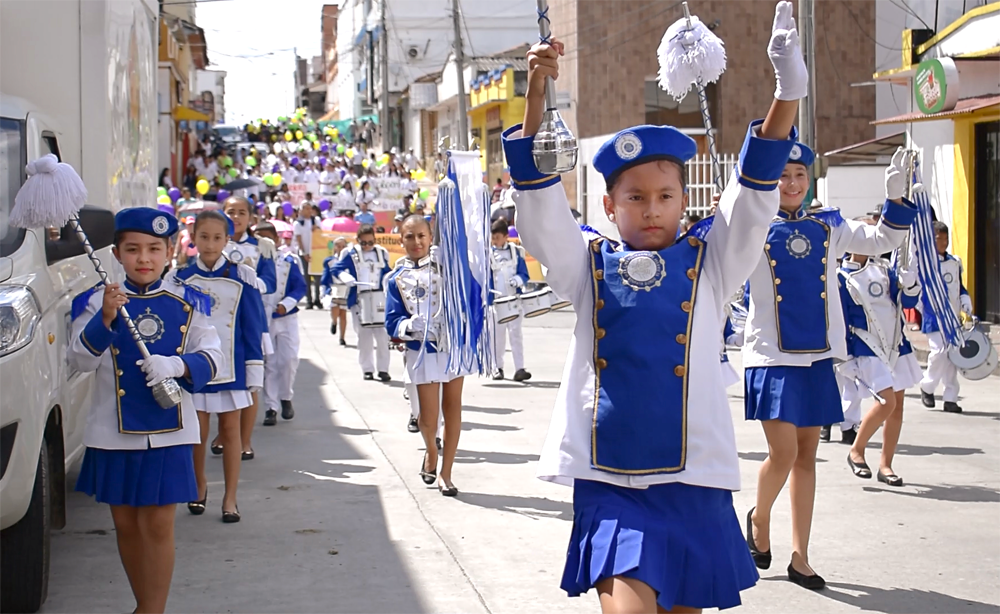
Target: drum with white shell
{"points": [[537, 303], [507, 309], [371, 305]]}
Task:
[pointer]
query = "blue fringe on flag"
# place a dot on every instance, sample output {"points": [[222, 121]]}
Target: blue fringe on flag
{"points": [[80, 301], [200, 301]]}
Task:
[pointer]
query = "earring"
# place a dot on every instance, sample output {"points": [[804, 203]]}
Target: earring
{"points": [[611, 216]]}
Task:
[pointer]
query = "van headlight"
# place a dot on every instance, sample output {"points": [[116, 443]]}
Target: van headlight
{"points": [[19, 315]]}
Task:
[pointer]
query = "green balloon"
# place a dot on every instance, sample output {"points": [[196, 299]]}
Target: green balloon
{"points": [[250, 161], [268, 179], [161, 191], [340, 149], [424, 193], [233, 172]]}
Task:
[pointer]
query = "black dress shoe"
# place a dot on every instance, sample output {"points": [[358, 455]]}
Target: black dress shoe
{"points": [[369, 377], [287, 411], [384, 377], [270, 417], [824, 433], [343, 343], [861, 470], [813, 582], [231, 517], [447, 491], [247, 455], [927, 398], [333, 328], [849, 436], [412, 425], [437, 442], [952, 407], [429, 477], [498, 375], [216, 448], [197, 508], [309, 305], [761, 559], [890, 479], [522, 376]]}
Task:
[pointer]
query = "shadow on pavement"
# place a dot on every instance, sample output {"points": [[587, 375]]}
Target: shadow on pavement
{"points": [[535, 507], [910, 449], [902, 600], [479, 426], [499, 458], [498, 411], [955, 493], [313, 537]]}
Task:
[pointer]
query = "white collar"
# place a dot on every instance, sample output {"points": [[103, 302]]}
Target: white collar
{"points": [[218, 264]]}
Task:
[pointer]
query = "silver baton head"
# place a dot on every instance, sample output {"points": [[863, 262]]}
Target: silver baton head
{"points": [[167, 393], [554, 148]]}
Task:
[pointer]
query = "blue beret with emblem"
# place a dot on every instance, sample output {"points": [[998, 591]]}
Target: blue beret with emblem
{"points": [[146, 220], [641, 144], [801, 154]]}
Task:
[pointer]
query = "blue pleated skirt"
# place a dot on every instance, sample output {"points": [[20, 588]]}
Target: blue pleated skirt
{"points": [[684, 541], [804, 396], [154, 476]]}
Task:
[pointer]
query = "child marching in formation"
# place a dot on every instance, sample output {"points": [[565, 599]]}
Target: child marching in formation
{"points": [[139, 455], [882, 362], [794, 332], [238, 317], [413, 314], [652, 467], [363, 268], [283, 307], [510, 273], [336, 290], [939, 366]]}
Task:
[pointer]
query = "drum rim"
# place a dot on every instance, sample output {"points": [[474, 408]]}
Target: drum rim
{"points": [[538, 312], [509, 319]]}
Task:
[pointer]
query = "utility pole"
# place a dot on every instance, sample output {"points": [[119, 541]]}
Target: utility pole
{"points": [[807, 107], [383, 113], [463, 103]]}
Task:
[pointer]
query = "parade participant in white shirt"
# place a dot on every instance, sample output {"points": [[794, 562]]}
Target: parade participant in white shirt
{"points": [[139, 455], [510, 273], [365, 196], [337, 291], [881, 359], [939, 366], [283, 308], [413, 315], [363, 269], [239, 319], [794, 332], [328, 179], [642, 426]]}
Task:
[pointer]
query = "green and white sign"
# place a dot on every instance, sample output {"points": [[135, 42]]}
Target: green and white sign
{"points": [[936, 85]]}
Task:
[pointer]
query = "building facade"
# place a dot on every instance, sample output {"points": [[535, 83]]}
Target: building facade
{"points": [[182, 53]]}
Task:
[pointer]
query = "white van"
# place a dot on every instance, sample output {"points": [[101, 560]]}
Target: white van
{"points": [[49, 105]]}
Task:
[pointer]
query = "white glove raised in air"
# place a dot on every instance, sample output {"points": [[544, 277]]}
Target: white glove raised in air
{"points": [[158, 368], [895, 176], [790, 74]]}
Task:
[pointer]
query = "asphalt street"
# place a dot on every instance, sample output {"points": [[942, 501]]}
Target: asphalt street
{"points": [[336, 519]]}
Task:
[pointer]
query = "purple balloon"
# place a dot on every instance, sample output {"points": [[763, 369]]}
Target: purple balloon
{"points": [[512, 232], [322, 161], [174, 194], [324, 148], [166, 208], [287, 208], [222, 195], [324, 205], [260, 207], [294, 161], [275, 168]]}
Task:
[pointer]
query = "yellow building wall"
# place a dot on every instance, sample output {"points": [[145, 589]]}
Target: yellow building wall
{"points": [[963, 235], [499, 93]]}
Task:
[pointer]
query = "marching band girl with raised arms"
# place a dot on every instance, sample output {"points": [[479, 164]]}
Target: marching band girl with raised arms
{"points": [[138, 458], [363, 268], [238, 317], [413, 314], [642, 428], [282, 308], [794, 331], [873, 295]]}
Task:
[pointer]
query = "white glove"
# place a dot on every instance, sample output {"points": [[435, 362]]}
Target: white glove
{"points": [[966, 303], [735, 339], [158, 368], [516, 282], [416, 324], [895, 177], [790, 74], [908, 277], [347, 279]]}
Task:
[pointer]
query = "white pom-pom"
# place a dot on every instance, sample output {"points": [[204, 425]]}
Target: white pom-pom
{"points": [[688, 55], [50, 196]]}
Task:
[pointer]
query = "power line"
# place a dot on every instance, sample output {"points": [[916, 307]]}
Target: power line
{"points": [[468, 36], [857, 22], [906, 7]]}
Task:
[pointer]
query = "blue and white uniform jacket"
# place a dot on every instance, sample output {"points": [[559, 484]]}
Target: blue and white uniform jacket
{"points": [[292, 286], [258, 254], [642, 399], [510, 270], [869, 296], [362, 271], [414, 289], [795, 317], [951, 271], [238, 317], [171, 319]]}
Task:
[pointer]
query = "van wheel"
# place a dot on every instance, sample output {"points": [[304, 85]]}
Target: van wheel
{"points": [[24, 556]]}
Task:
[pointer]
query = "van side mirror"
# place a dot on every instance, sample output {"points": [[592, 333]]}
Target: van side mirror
{"points": [[97, 222]]}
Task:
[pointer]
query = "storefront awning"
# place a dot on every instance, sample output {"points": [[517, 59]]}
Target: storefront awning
{"points": [[964, 107], [870, 150], [189, 114]]}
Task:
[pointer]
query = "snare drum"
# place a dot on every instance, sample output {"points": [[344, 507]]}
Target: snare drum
{"points": [[340, 292], [507, 309], [537, 303], [371, 308], [560, 303]]}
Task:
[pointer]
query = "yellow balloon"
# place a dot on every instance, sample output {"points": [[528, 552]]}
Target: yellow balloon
{"points": [[316, 145], [365, 163], [288, 135], [350, 152], [163, 200], [276, 179], [298, 134], [202, 187]]}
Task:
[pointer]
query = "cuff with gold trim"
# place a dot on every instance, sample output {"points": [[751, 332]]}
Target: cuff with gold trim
{"points": [[97, 337], [898, 217], [200, 368], [524, 175], [763, 160]]}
